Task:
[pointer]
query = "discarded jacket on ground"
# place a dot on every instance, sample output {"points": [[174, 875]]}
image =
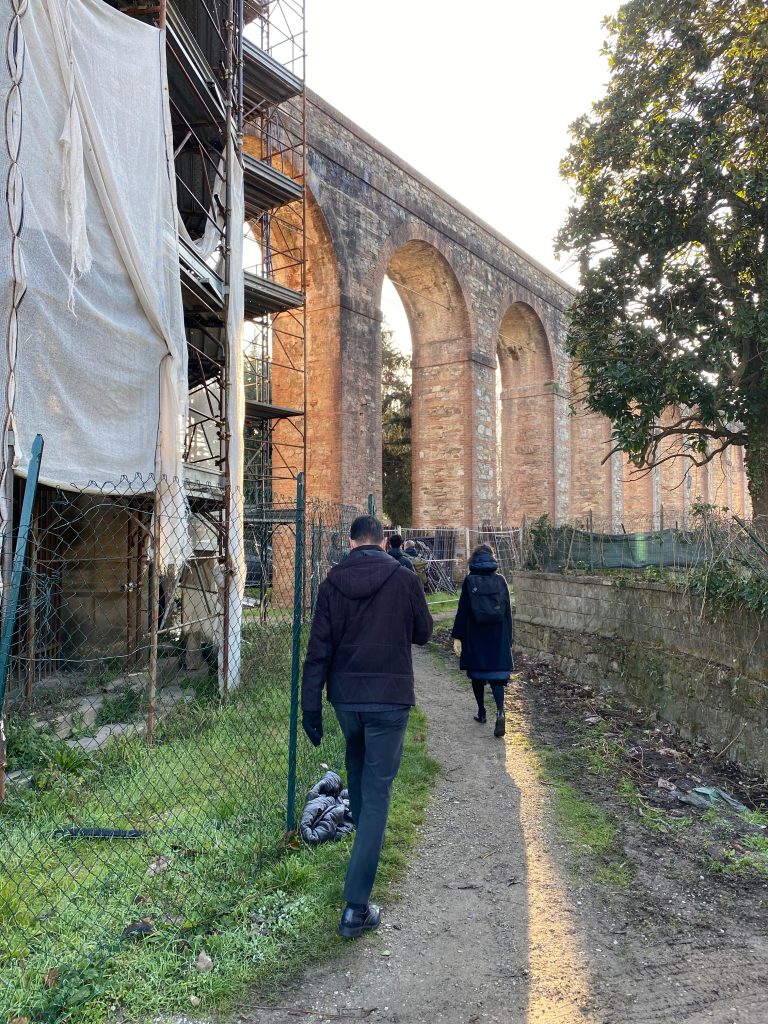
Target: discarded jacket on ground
{"points": [[326, 814]]}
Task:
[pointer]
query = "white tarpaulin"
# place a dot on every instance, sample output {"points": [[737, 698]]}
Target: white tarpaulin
{"points": [[100, 366]]}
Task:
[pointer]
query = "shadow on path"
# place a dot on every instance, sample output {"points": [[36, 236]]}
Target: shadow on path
{"points": [[484, 931]]}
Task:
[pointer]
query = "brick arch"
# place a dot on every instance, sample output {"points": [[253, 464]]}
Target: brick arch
{"points": [[526, 415], [442, 406]]}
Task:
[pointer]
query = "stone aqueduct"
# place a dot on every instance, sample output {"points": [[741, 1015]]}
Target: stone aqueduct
{"points": [[476, 306]]}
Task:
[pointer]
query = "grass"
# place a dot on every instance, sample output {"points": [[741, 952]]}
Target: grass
{"points": [[442, 603], [213, 870], [587, 829], [747, 856], [654, 818]]}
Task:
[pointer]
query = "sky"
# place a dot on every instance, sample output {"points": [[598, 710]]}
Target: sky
{"points": [[476, 94]]}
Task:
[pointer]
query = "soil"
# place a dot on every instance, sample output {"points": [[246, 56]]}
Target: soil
{"points": [[501, 916]]}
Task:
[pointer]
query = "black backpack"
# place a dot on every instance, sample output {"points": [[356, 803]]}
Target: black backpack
{"points": [[488, 597]]}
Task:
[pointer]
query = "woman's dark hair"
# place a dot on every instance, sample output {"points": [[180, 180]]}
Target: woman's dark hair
{"points": [[482, 549]]}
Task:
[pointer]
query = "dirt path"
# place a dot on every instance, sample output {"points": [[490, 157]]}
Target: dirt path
{"points": [[492, 927]]}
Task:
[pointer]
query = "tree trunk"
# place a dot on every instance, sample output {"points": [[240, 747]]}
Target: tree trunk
{"points": [[756, 462]]}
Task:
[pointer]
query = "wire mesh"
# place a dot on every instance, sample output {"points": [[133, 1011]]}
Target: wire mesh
{"points": [[147, 774]]}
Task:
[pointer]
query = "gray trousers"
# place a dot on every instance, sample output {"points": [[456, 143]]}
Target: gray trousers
{"points": [[374, 749]]}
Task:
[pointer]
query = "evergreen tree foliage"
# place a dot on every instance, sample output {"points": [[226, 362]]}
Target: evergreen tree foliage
{"points": [[669, 225], [396, 432]]}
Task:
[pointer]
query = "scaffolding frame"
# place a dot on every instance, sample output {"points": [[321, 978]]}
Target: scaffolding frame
{"points": [[215, 75], [275, 350]]}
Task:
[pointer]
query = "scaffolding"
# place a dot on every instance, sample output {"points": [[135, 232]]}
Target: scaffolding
{"points": [[235, 71], [274, 119], [237, 66]]}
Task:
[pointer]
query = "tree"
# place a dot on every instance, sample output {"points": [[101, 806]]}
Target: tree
{"points": [[669, 225], [395, 432]]}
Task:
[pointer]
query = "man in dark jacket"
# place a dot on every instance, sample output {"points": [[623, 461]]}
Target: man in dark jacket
{"points": [[369, 611], [395, 548]]}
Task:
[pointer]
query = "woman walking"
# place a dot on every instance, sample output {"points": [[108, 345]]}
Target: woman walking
{"points": [[483, 624]]}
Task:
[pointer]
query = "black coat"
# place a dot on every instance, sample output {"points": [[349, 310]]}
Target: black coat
{"points": [[485, 646], [399, 555], [369, 611]]}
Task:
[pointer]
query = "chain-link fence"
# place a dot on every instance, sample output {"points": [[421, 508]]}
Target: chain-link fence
{"points": [[154, 760]]}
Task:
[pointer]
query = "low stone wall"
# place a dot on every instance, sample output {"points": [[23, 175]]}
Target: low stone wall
{"points": [[704, 670]]}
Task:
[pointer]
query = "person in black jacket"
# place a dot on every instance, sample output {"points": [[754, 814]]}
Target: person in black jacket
{"points": [[369, 611], [483, 624], [395, 548]]}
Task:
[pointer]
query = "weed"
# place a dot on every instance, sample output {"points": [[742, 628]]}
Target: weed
{"points": [[654, 818], [736, 864], [759, 818], [122, 707], [757, 843], [27, 747]]}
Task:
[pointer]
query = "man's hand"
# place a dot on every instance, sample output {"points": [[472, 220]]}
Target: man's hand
{"points": [[312, 723]]}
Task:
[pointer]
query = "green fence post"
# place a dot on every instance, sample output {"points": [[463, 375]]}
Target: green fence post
{"points": [[25, 524], [371, 506], [298, 590]]}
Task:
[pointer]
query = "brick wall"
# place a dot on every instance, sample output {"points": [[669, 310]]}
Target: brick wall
{"points": [[704, 671]]}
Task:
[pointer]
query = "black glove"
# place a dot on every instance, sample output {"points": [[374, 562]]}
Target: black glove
{"points": [[312, 723]]}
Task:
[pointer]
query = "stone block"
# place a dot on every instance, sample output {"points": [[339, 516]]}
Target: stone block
{"points": [[19, 779]]}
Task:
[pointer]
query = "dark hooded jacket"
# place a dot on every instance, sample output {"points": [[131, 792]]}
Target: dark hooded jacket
{"points": [[486, 647], [369, 611], [399, 556]]}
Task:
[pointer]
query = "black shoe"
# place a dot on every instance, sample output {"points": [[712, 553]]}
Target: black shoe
{"points": [[355, 922], [480, 716], [501, 725]]}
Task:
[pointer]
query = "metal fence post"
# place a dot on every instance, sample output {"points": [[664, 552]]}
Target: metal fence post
{"points": [[298, 589], [11, 598], [154, 616]]}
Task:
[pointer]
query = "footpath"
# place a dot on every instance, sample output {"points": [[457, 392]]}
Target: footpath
{"points": [[501, 920]]}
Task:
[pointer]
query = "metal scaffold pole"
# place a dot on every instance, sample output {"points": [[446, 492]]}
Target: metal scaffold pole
{"points": [[298, 605], [11, 596]]}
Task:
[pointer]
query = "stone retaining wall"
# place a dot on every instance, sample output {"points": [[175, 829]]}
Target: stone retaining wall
{"points": [[704, 670]]}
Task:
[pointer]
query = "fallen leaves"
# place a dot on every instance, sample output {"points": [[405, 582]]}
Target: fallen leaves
{"points": [[158, 866], [139, 929]]}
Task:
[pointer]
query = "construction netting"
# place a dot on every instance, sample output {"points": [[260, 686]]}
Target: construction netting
{"points": [[96, 352], [549, 547]]}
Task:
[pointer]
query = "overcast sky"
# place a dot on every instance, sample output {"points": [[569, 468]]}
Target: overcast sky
{"points": [[476, 95]]}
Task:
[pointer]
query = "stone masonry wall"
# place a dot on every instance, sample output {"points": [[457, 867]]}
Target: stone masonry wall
{"points": [[376, 209], [702, 670]]}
